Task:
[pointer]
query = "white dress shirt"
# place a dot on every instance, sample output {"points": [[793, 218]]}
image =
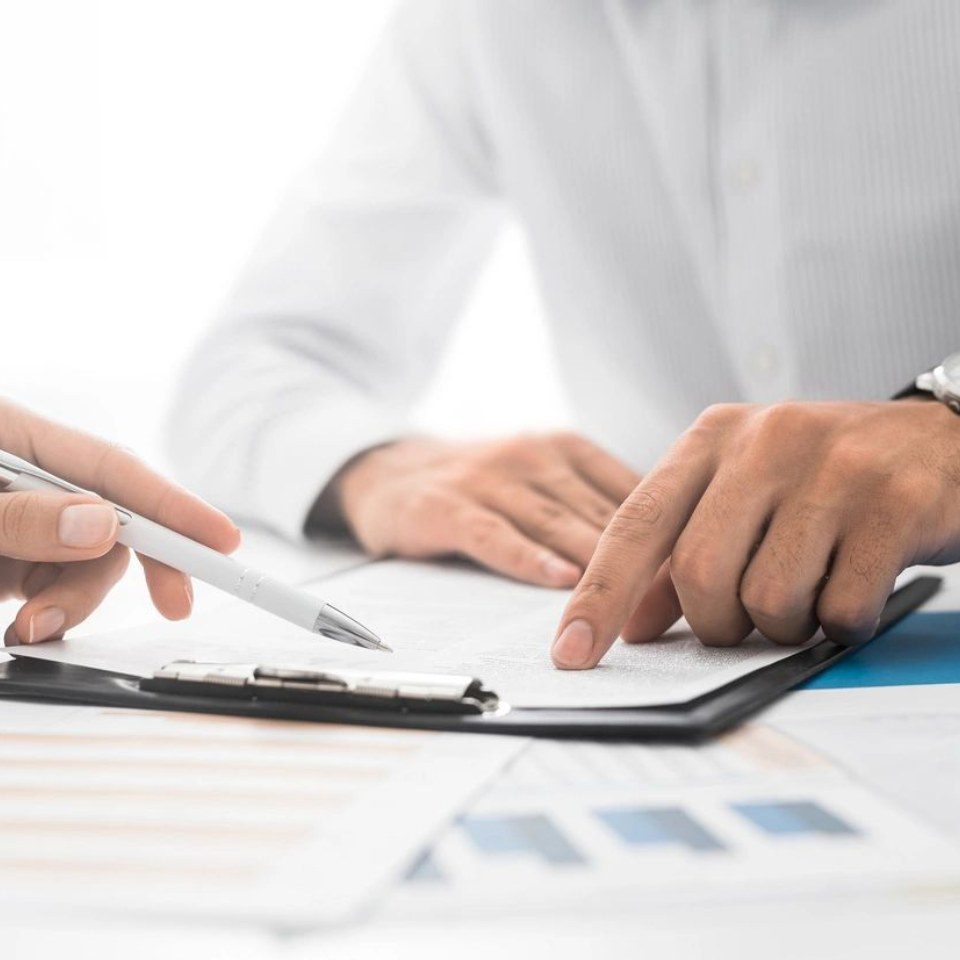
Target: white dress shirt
{"points": [[725, 200]]}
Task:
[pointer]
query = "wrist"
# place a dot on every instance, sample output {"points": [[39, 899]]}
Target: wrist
{"points": [[339, 502], [329, 513]]}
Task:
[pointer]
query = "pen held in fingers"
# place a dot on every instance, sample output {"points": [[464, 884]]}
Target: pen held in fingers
{"points": [[153, 540]]}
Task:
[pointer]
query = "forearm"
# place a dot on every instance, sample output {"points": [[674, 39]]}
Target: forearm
{"points": [[342, 313], [260, 427]]}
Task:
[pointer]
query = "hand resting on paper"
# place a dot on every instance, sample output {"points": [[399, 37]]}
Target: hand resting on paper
{"points": [[784, 518], [58, 551], [532, 508]]}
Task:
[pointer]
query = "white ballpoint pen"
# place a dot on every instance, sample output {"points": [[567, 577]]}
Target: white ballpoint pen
{"points": [[175, 550]]}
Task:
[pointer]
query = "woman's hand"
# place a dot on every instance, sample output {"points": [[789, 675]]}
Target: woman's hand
{"points": [[59, 551]]}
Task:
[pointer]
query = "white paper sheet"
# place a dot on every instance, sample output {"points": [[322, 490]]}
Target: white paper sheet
{"points": [[908, 749], [752, 816], [439, 618], [293, 824]]}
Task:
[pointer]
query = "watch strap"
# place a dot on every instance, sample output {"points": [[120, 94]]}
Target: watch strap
{"points": [[910, 391]]}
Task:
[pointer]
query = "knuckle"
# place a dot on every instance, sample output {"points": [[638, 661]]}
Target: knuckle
{"points": [[521, 449], [602, 513], [520, 560], [849, 615], [718, 414], [769, 428], [16, 518], [556, 477], [425, 501], [569, 439], [463, 475], [712, 423], [692, 569], [866, 559], [511, 457], [166, 504], [107, 457], [720, 638], [546, 520], [769, 600], [595, 588], [640, 512], [483, 530], [788, 416], [850, 457]]}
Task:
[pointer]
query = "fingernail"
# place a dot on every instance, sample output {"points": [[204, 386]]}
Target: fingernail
{"points": [[10, 638], [573, 649], [188, 590], [46, 624], [560, 571], [86, 524]]}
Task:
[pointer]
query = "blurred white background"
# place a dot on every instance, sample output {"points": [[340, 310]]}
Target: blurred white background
{"points": [[142, 146]]}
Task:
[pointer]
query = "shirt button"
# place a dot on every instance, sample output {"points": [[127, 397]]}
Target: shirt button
{"points": [[765, 360], [745, 174]]}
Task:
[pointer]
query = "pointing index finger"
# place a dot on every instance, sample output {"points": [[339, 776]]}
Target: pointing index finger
{"points": [[633, 547]]}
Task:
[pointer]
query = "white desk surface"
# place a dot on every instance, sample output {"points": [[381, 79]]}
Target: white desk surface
{"points": [[853, 927]]}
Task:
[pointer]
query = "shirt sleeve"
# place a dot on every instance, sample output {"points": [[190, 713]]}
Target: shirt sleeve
{"points": [[341, 315]]}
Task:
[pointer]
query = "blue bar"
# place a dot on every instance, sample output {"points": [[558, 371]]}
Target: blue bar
{"points": [[532, 834], [790, 819], [922, 648], [637, 826]]}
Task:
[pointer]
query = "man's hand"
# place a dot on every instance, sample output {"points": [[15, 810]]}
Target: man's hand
{"points": [[532, 508], [781, 518], [59, 551]]}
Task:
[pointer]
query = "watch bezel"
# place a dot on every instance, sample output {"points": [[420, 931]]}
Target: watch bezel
{"points": [[941, 385]]}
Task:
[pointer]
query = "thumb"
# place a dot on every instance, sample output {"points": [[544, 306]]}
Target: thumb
{"points": [[55, 527]]}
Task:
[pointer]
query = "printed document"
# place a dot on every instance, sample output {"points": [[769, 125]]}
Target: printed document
{"points": [[439, 618]]}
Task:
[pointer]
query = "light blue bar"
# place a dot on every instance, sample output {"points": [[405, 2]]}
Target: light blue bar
{"points": [[534, 834], [796, 817], [647, 825]]}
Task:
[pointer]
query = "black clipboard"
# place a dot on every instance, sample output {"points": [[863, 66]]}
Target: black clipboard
{"points": [[471, 710]]}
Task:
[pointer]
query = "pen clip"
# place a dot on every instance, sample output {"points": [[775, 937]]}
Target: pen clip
{"points": [[12, 466]]}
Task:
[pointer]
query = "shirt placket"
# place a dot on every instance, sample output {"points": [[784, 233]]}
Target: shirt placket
{"points": [[747, 189]]}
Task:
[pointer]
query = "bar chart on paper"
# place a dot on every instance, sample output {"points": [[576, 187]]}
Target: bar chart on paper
{"points": [[752, 813], [110, 810]]}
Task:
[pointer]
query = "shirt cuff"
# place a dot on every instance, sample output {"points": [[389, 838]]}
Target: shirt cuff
{"points": [[301, 452]]}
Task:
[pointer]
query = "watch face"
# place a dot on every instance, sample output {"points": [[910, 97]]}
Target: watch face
{"points": [[951, 372]]}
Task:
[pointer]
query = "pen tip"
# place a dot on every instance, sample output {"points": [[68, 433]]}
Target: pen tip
{"points": [[337, 625]]}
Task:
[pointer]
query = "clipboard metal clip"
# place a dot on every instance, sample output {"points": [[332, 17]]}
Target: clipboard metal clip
{"points": [[384, 690]]}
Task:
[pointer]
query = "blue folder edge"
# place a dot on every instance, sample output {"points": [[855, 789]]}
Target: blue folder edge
{"points": [[923, 648]]}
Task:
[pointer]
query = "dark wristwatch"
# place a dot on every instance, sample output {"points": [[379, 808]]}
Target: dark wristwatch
{"points": [[943, 382]]}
